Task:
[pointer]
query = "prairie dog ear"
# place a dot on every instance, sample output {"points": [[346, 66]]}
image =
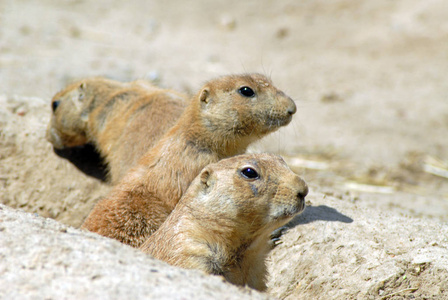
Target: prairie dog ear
{"points": [[82, 88], [206, 179], [205, 96], [78, 100]]}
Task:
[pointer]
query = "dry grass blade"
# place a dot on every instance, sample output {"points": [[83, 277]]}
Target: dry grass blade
{"points": [[369, 188], [307, 164], [399, 292], [435, 166]]}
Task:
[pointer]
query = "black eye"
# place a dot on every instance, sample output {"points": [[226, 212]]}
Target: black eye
{"points": [[246, 91], [55, 105], [249, 173]]}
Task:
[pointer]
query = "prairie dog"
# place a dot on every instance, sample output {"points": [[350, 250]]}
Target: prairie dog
{"points": [[121, 120], [222, 224], [221, 120]]}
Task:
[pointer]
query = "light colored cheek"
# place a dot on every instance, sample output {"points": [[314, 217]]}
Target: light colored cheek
{"points": [[224, 205], [75, 100], [277, 209]]}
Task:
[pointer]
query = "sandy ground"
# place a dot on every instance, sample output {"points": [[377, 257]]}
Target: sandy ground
{"points": [[369, 80]]}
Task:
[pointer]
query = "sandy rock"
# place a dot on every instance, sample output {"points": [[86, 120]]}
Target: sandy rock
{"points": [[32, 176], [338, 250], [43, 259]]}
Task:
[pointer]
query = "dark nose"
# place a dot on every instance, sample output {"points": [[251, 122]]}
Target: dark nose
{"points": [[303, 190], [302, 195], [292, 107]]}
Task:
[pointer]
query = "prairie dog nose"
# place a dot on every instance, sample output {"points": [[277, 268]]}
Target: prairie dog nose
{"points": [[292, 109], [302, 188]]}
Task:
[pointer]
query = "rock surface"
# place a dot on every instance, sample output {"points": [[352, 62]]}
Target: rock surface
{"points": [[339, 250], [44, 259]]}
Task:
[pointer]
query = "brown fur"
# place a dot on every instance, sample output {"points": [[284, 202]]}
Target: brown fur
{"points": [[219, 122], [222, 224], [122, 120]]}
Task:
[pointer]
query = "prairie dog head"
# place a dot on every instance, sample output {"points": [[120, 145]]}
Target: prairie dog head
{"points": [[223, 222], [245, 106], [72, 110], [253, 193], [68, 124]]}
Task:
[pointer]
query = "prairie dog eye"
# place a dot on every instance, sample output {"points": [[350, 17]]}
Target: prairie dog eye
{"points": [[55, 104], [249, 173], [246, 91]]}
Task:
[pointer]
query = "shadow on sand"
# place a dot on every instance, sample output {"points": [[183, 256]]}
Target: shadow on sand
{"points": [[311, 214], [86, 159], [319, 213]]}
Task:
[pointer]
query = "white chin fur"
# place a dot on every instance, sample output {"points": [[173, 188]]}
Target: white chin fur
{"points": [[55, 139]]}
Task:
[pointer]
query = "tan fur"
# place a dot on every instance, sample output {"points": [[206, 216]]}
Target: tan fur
{"points": [[122, 120], [219, 122], [222, 224]]}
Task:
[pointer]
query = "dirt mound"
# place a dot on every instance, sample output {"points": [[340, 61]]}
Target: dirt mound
{"points": [[44, 259], [339, 250], [32, 176]]}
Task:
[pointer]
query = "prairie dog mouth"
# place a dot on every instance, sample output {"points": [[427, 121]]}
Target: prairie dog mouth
{"points": [[273, 122], [54, 138], [284, 211]]}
